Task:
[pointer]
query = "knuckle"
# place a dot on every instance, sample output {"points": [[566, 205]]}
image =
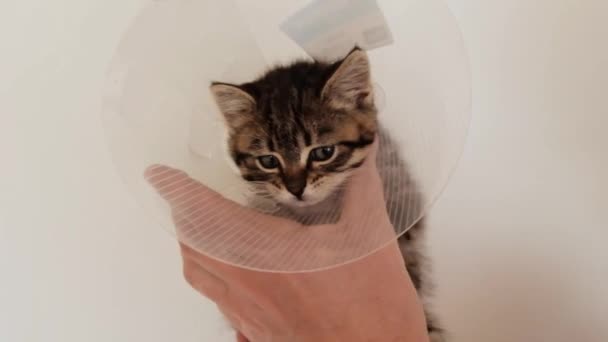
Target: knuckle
{"points": [[189, 273]]}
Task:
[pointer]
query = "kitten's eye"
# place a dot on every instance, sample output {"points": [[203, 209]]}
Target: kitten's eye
{"points": [[322, 153], [269, 162]]}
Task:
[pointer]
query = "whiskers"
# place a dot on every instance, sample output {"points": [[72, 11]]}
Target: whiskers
{"points": [[260, 190]]}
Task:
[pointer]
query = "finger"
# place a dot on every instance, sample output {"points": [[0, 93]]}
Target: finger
{"points": [[240, 337], [176, 187], [216, 267], [204, 282], [235, 322], [196, 206], [230, 316], [224, 230]]}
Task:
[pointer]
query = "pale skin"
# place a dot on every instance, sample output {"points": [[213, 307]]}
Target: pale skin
{"points": [[371, 299]]}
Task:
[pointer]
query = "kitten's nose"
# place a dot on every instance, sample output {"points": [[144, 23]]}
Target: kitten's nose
{"points": [[296, 186]]}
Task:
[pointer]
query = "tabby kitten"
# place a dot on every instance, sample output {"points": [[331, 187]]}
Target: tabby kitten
{"points": [[299, 131]]}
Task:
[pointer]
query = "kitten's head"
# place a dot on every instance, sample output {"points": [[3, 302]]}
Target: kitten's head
{"points": [[297, 132]]}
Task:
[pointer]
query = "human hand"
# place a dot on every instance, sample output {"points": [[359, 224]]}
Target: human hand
{"points": [[371, 299]]}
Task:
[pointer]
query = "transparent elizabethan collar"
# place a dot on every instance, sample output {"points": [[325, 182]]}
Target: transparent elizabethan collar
{"points": [[204, 220], [158, 111]]}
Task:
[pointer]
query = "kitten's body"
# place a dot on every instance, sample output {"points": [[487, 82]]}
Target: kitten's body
{"points": [[291, 111], [403, 202]]}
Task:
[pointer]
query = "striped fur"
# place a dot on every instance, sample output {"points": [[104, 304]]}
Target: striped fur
{"points": [[294, 109]]}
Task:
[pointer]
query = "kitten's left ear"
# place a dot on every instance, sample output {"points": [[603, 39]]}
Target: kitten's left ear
{"points": [[350, 86], [236, 105]]}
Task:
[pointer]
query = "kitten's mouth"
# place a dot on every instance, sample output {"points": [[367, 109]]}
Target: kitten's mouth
{"points": [[303, 203], [314, 202]]}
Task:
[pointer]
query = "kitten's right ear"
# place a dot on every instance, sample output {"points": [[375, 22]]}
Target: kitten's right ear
{"points": [[350, 86], [236, 105]]}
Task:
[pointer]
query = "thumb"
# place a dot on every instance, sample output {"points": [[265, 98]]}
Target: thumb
{"points": [[204, 219], [177, 188]]}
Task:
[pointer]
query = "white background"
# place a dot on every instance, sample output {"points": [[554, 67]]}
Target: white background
{"points": [[518, 236]]}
